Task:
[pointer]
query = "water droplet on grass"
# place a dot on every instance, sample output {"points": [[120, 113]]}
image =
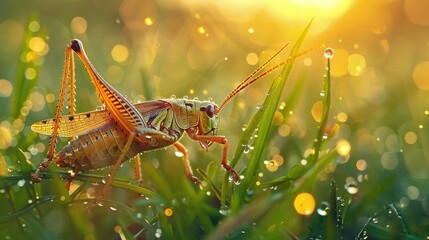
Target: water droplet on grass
{"points": [[179, 154], [329, 52], [322, 210], [158, 233], [352, 189], [21, 183], [224, 210]]}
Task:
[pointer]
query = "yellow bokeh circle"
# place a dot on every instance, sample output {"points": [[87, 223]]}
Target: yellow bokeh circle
{"points": [[304, 204]]}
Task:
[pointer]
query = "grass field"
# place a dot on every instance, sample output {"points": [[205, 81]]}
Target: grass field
{"points": [[331, 145]]}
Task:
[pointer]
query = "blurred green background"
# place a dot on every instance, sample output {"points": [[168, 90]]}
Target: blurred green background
{"points": [[156, 49]]}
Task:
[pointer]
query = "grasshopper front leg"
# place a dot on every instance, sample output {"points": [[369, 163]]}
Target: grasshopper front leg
{"points": [[182, 149], [221, 140], [68, 79]]}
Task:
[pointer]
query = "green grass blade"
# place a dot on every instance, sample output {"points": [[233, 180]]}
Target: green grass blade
{"points": [[325, 115], [264, 116], [27, 208]]}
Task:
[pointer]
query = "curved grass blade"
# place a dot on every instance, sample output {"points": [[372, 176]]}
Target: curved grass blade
{"points": [[28, 208], [263, 120], [117, 182]]}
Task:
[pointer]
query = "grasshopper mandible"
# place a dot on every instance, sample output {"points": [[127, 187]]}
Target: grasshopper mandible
{"points": [[122, 130]]}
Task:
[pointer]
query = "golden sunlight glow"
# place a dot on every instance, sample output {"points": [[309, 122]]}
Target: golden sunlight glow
{"points": [[296, 11], [319, 3], [324, 10]]}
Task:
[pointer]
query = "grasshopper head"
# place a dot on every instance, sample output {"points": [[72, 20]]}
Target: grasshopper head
{"points": [[209, 121]]}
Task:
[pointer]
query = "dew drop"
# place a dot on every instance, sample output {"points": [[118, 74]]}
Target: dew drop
{"points": [[21, 183], [237, 182], [158, 233], [323, 208], [329, 53], [113, 208], [72, 173], [185, 201], [224, 210], [179, 154], [2, 190], [352, 189], [246, 149]]}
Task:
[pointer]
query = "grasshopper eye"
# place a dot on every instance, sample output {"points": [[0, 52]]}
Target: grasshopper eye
{"points": [[210, 110]]}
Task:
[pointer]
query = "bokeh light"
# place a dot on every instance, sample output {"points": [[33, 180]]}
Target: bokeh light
{"points": [[421, 75], [343, 147], [79, 25], [148, 50], [6, 136], [357, 64], [5, 88], [415, 10], [168, 212], [410, 137], [361, 165], [120, 53], [304, 204]]}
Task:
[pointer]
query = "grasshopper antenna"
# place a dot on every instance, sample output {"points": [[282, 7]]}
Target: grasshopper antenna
{"points": [[251, 78]]}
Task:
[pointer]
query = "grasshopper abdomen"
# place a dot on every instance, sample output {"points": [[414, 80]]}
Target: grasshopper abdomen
{"points": [[96, 149]]}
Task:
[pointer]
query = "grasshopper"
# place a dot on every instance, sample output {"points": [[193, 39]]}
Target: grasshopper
{"points": [[122, 130]]}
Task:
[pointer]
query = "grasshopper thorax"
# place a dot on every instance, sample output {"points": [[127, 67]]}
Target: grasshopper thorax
{"points": [[208, 121]]}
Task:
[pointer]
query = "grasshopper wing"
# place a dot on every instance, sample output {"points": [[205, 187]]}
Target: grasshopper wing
{"points": [[78, 124], [74, 125]]}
